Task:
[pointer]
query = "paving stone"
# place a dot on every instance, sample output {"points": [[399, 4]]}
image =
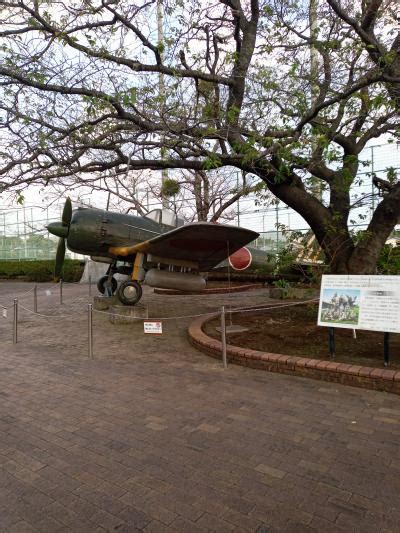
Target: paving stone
{"points": [[154, 436], [157, 527], [270, 471], [21, 527], [210, 522], [186, 526]]}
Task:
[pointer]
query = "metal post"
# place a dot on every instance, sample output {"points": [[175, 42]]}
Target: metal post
{"points": [[223, 336], [35, 298], [15, 323], [25, 234], [386, 349], [90, 330], [372, 182], [238, 205], [90, 285], [61, 291], [332, 350]]}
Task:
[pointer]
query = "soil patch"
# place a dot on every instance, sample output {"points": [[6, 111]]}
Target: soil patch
{"points": [[293, 331]]}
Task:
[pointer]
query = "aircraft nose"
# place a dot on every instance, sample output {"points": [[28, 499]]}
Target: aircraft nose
{"points": [[58, 229]]}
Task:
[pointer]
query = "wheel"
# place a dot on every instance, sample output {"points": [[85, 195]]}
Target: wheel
{"points": [[101, 284], [129, 292]]}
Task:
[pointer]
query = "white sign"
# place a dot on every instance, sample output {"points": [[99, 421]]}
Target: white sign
{"points": [[48, 292], [360, 302], [153, 326], [4, 312]]}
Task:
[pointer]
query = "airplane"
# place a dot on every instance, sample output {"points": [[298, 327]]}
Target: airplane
{"points": [[157, 249]]}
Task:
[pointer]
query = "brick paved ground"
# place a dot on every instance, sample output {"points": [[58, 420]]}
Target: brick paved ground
{"points": [[158, 438]]}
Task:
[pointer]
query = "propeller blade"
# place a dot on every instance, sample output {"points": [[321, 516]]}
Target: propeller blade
{"points": [[67, 212], [59, 259]]}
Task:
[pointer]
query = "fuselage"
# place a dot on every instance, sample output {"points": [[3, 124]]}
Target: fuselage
{"points": [[103, 234], [94, 231]]}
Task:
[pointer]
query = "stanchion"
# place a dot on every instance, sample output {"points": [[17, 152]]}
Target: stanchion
{"points": [[90, 285], [90, 330], [61, 291], [386, 349], [35, 298], [223, 336], [332, 348], [15, 323]]}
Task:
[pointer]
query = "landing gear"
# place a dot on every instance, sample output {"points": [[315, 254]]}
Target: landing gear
{"points": [[107, 286], [129, 292]]}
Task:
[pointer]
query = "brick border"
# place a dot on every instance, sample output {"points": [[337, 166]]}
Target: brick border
{"points": [[354, 375]]}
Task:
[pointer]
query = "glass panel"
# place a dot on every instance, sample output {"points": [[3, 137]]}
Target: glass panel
{"points": [[168, 218], [154, 215]]}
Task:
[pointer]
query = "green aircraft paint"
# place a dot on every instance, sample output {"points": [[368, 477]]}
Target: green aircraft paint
{"points": [[117, 237]]}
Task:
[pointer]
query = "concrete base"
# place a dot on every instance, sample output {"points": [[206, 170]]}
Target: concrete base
{"points": [[102, 303], [125, 314]]}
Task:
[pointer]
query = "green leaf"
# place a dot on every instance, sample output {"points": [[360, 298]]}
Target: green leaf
{"points": [[20, 198]]}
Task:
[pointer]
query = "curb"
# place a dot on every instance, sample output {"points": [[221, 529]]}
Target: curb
{"points": [[355, 375]]}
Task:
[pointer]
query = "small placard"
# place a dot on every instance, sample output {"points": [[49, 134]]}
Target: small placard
{"points": [[153, 326], [4, 313], [48, 292]]}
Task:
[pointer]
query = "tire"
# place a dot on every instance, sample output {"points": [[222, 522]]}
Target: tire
{"points": [[101, 284], [129, 292]]}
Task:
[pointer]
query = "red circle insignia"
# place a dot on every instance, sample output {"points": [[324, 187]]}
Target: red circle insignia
{"points": [[241, 259]]}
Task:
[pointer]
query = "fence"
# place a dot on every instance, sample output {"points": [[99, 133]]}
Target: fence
{"points": [[14, 308], [23, 233]]}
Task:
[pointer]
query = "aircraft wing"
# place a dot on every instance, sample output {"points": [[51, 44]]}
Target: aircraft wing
{"points": [[202, 243]]}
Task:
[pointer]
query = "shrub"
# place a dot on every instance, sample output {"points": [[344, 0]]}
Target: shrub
{"points": [[40, 270], [389, 260]]}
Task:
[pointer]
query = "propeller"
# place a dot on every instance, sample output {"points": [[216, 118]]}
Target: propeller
{"points": [[61, 230]]}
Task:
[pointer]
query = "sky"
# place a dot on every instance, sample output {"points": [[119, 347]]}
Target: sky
{"points": [[258, 218]]}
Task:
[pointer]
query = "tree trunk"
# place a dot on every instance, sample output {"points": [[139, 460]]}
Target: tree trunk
{"points": [[329, 225]]}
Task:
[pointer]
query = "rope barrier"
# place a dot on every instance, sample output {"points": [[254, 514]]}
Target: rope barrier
{"points": [[235, 310], [49, 316], [45, 287], [158, 319], [27, 292], [19, 294], [212, 314], [178, 317], [277, 306]]}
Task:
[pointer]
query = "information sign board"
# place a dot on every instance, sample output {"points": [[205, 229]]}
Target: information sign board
{"points": [[360, 302], [153, 326]]}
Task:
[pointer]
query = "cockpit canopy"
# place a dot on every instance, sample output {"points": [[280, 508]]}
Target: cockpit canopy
{"points": [[165, 217]]}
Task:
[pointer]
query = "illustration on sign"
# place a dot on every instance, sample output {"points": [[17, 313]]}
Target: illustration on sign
{"points": [[340, 307], [360, 302]]}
